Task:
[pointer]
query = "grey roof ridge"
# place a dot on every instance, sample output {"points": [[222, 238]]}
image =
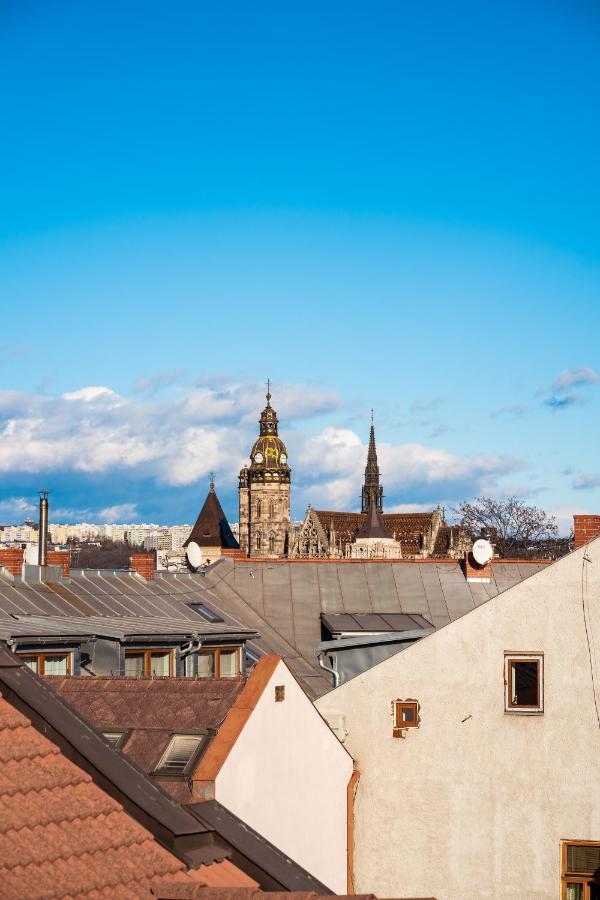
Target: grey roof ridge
{"points": [[469, 612], [387, 637], [192, 841]]}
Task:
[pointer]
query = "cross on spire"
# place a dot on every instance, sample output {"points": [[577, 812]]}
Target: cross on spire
{"points": [[268, 383], [212, 480]]}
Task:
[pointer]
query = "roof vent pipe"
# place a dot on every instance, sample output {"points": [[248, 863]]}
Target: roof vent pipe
{"points": [[43, 530]]}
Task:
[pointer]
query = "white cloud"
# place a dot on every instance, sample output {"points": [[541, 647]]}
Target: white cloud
{"points": [[94, 395], [14, 510], [333, 462], [570, 378], [95, 430], [120, 513]]}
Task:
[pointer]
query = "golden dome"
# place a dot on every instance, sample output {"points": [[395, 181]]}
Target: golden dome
{"points": [[268, 452]]}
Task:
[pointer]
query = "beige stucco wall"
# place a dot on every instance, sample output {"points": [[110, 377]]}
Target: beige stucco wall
{"points": [[286, 776], [474, 803]]}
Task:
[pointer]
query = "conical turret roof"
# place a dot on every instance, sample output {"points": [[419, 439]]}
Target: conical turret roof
{"points": [[212, 528]]}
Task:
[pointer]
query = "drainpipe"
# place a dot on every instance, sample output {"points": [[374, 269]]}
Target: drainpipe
{"points": [[336, 675], [43, 530]]}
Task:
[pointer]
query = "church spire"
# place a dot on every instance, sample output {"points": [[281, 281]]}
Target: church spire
{"points": [[372, 490]]}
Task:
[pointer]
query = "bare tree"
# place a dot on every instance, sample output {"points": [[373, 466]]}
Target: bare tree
{"points": [[513, 527]]}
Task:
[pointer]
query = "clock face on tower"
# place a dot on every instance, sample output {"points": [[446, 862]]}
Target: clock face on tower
{"points": [[258, 458]]}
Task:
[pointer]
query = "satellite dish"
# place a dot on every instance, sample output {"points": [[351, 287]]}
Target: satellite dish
{"points": [[482, 551], [194, 555]]}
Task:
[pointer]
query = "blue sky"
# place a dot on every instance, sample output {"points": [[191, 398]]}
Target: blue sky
{"points": [[389, 204]]}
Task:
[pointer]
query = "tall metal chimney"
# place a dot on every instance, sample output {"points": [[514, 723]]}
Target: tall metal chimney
{"points": [[43, 530]]}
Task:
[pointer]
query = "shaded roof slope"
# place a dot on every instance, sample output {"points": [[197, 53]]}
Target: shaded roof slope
{"points": [[150, 710], [212, 528]]}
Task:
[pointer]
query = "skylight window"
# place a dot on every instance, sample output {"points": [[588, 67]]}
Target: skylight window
{"points": [[181, 754], [116, 739], [206, 613]]}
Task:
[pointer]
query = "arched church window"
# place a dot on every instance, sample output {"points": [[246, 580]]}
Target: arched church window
{"points": [[258, 541], [272, 543], [271, 510], [258, 508]]}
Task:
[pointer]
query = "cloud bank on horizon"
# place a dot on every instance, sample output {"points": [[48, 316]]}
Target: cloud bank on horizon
{"points": [[105, 442]]}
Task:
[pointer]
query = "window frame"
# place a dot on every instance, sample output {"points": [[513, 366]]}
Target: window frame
{"points": [[41, 658], [399, 725], [204, 651], [123, 734], [159, 772], [148, 651], [534, 656], [566, 880]]}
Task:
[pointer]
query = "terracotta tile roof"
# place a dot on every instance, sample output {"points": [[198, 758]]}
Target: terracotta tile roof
{"points": [[61, 834], [150, 709], [404, 527]]}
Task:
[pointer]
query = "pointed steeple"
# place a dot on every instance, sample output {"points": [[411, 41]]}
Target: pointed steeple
{"points": [[372, 490], [373, 527]]}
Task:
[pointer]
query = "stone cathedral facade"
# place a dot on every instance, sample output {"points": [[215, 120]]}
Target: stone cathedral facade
{"points": [[264, 493]]}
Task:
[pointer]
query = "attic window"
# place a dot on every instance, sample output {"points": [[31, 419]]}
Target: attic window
{"points": [[181, 754], [48, 663], [206, 613], [116, 739], [524, 682]]}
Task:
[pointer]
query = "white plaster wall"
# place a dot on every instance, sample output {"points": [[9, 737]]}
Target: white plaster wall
{"points": [[286, 777], [477, 808]]}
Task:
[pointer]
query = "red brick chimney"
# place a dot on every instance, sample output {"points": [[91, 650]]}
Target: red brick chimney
{"points": [[475, 572], [12, 560], [61, 558], [144, 564], [585, 529]]}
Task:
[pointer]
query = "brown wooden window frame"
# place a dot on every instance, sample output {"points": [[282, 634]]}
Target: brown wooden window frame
{"points": [[586, 880], [148, 651], [400, 725], [216, 651], [512, 656], [42, 656]]}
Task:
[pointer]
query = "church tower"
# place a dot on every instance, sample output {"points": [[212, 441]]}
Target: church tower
{"points": [[372, 491], [264, 489]]}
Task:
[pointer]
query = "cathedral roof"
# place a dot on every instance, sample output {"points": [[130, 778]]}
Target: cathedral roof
{"points": [[212, 528], [404, 527]]}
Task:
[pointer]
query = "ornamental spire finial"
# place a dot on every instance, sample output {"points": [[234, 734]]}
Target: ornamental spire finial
{"points": [[268, 392]]}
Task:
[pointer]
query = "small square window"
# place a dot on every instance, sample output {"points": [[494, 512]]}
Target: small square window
{"points": [[406, 714], [279, 693], [524, 682]]}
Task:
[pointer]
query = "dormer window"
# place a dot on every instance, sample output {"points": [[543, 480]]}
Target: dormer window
{"points": [[149, 663], [48, 663], [219, 662]]}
